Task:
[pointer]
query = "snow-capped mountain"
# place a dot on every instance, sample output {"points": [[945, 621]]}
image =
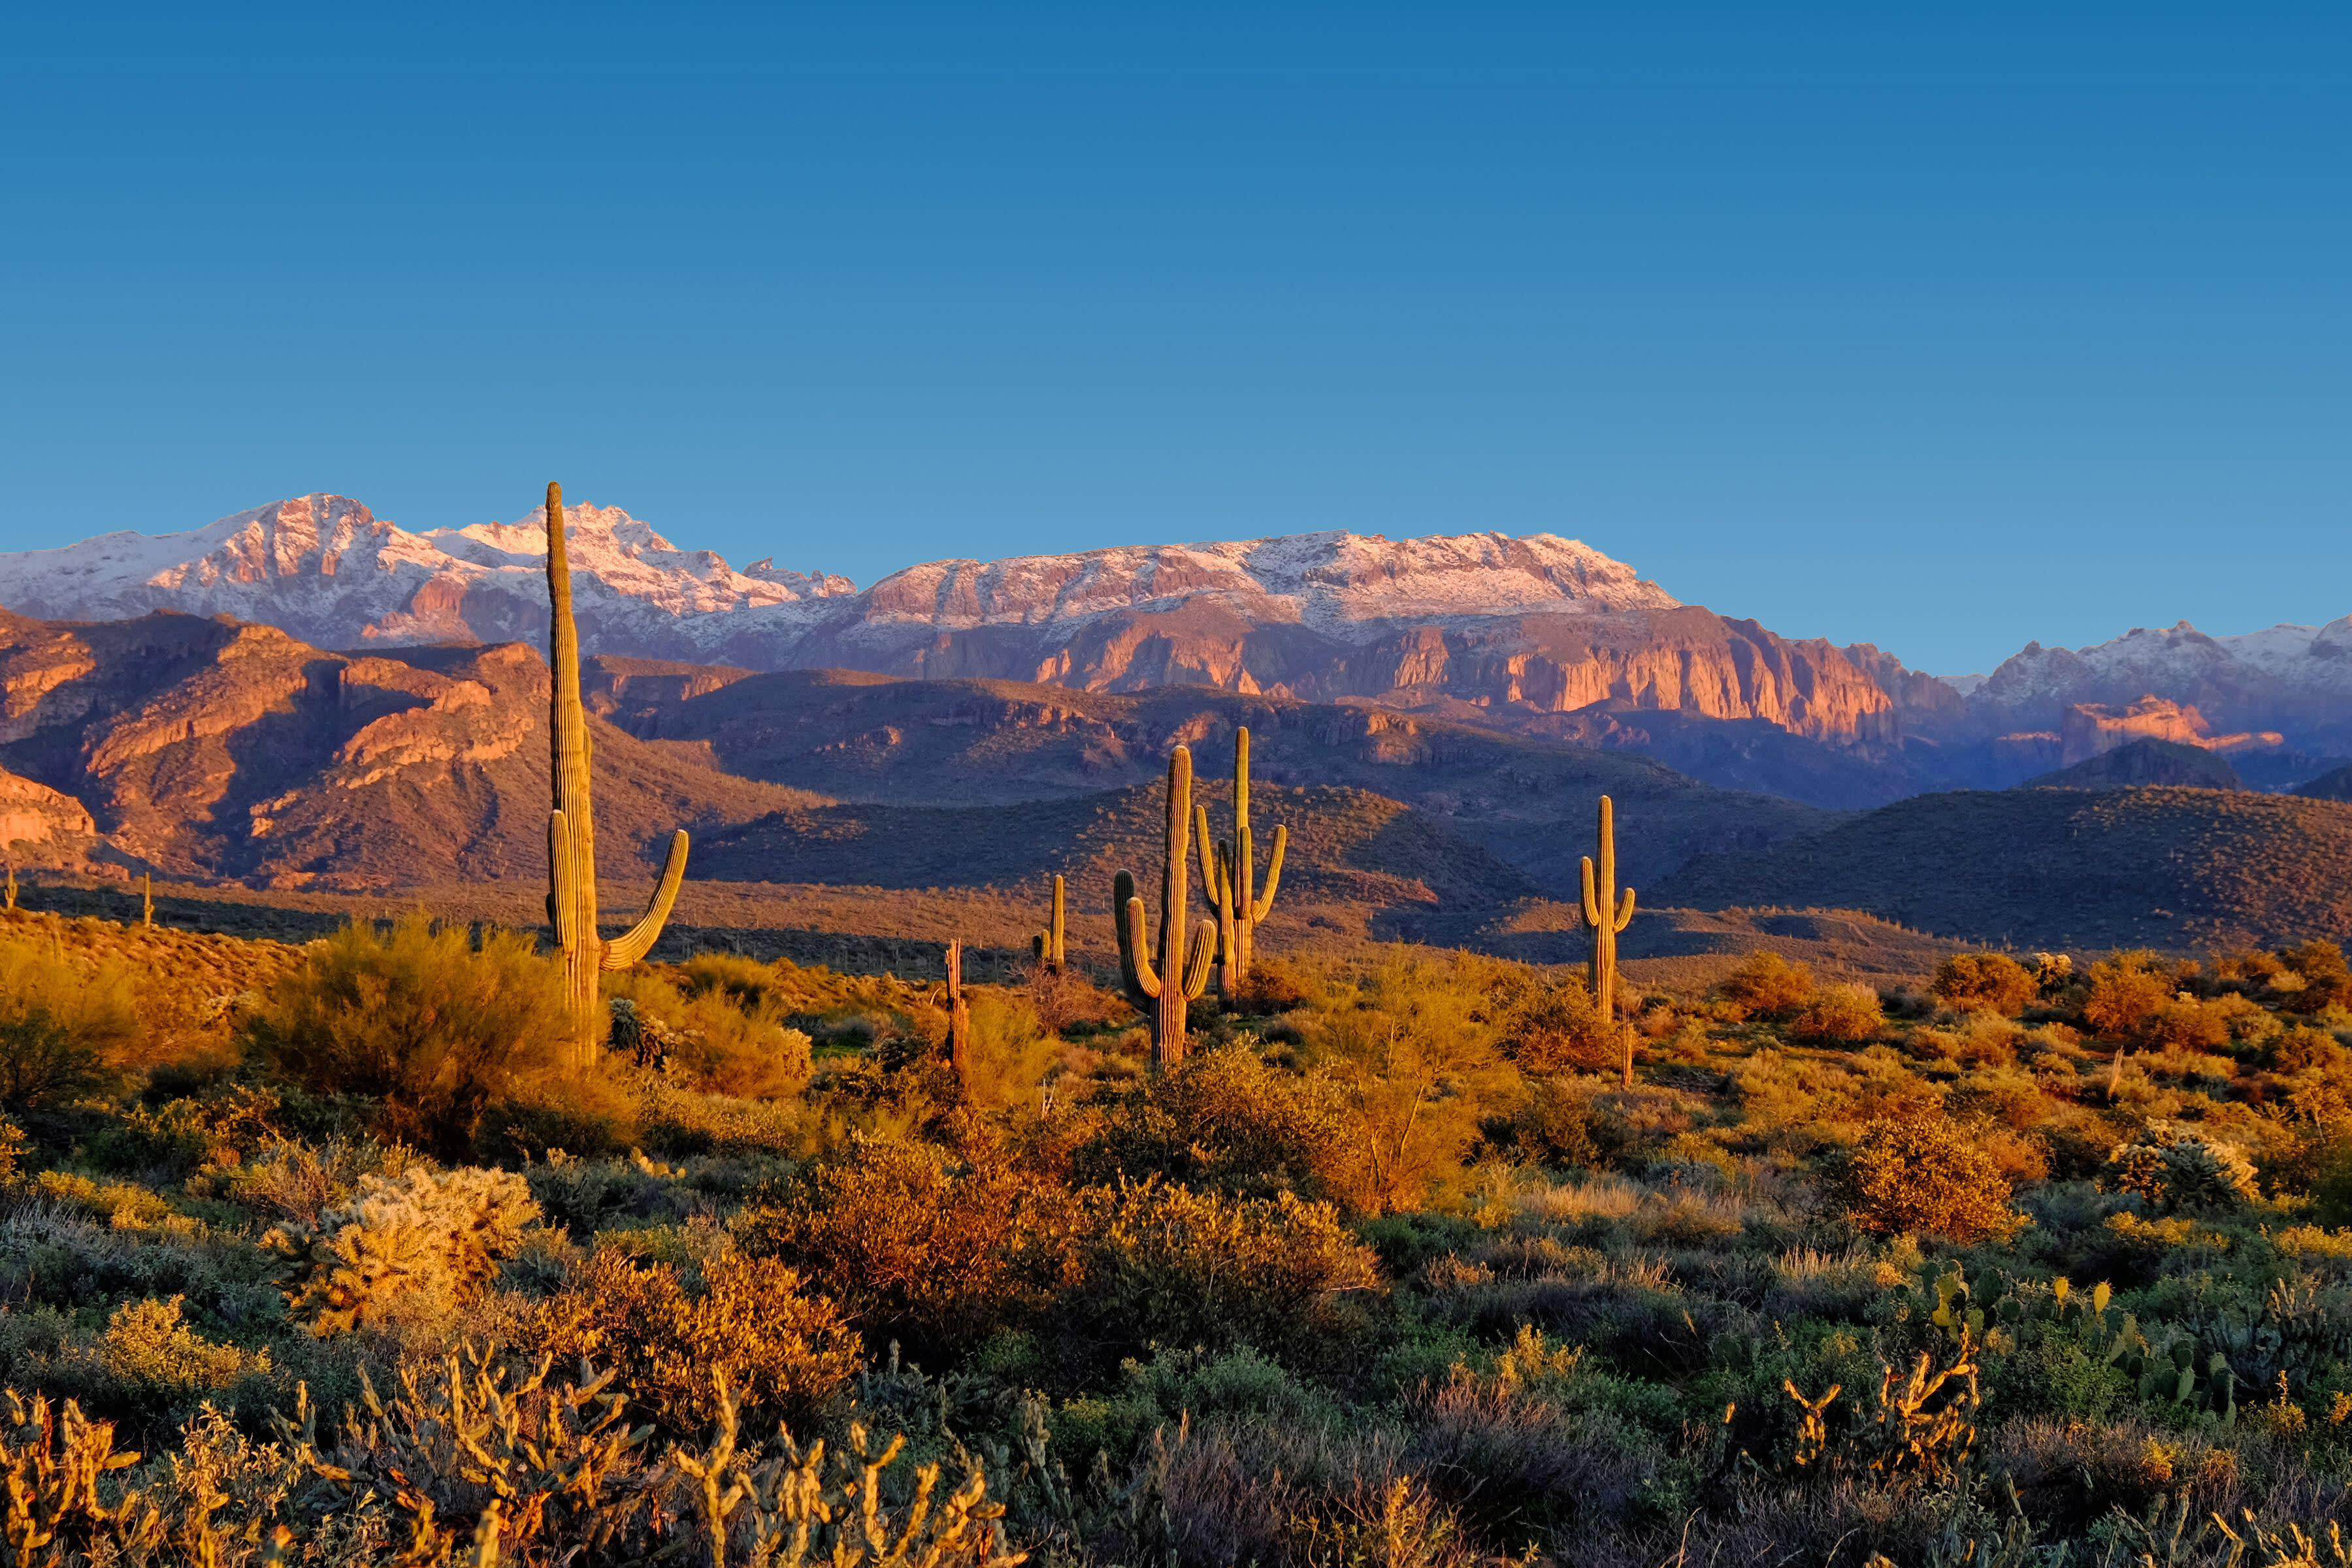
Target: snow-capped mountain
{"points": [[2292, 680], [326, 569]]}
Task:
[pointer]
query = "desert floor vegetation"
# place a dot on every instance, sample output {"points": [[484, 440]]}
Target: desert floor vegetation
{"points": [[334, 1254]]}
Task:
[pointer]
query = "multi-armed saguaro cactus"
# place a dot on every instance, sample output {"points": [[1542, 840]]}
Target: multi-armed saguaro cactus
{"points": [[1180, 972], [571, 826], [1608, 915], [1228, 872], [959, 1015], [1047, 944]]}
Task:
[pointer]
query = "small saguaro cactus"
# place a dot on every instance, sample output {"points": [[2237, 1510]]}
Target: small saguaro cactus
{"points": [[1608, 915], [1180, 972], [571, 826], [1228, 871], [10, 888], [1047, 944], [959, 1015], [147, 899]]}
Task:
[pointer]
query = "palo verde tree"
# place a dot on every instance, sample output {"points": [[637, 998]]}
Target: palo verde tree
{"points": [[1177, 975], [1228, 871], [571, 826], [1608, 916]]}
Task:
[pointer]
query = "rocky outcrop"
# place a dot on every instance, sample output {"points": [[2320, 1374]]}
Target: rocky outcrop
{"points": [[41, 823], [2088, 729]]}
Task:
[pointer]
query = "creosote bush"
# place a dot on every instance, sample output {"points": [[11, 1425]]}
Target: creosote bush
{"points": [[1766, 985], [418, 1019]]}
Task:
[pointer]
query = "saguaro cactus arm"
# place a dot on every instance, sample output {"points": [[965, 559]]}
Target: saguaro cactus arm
{"points": [[622, 951], [1216, 862], [1196, 965], [1264, 904], [1135, 948], [1592, 907]]}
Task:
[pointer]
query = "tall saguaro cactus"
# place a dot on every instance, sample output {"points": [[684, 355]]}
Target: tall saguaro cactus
{"points": [[958, 1019], [1048, 944], [571, 826], [1179, 973], [1608, 915], [1228, 873]]}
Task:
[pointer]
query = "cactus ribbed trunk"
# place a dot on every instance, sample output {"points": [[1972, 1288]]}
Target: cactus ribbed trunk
{"points": [[147, 899], [959, 1020], [571, 825], [1169, 981], [12, 890], [1229, 876], [1048, 944], [1608, 916]]}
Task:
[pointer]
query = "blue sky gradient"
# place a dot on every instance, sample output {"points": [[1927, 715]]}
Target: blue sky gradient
{"points": [[1943, 328]]}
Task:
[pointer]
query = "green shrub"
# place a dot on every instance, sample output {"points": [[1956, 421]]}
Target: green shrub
{"points": [[1226, 1119], [1985, 981], [415, 1017], [1159, 1263], [406, 1250], [2126, 994], [1922, 1174]]}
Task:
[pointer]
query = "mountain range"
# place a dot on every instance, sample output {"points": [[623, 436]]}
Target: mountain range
{"points": [[1539, 636]]}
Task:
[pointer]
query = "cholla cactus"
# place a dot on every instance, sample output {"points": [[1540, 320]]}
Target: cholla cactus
{"points": [[423, 1241], [571, 826], [2176, 1168]]}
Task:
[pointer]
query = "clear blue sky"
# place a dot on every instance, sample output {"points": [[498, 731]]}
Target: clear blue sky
{"points": [[1944, 327]]}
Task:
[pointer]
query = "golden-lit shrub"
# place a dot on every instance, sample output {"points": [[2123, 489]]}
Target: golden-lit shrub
{"points": [[1766, 985], [2125, 994], [1988, 982], [1846, 1015], [1557, 1028], [916, 1243], [418, 1020], [1926, 1175], [784, 1350], [1010, 1051], [65, 1024], [1158, 1262]]}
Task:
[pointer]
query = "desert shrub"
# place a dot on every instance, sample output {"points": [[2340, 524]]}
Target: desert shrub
{"points": [[1411, 1046], [1010, 1051], [1161, 1263], [150, 1365], [1926, 1175], [411, 1248], [1226, 1119], [917, 1243], [1559, 1028], [65, 1024], [2125, 994], [1766, 985], [287, 1179], [1844, 1014], [2178, 1169], [1985, 981], [1551, 1122], [784, 1350], [415, 1017]]}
